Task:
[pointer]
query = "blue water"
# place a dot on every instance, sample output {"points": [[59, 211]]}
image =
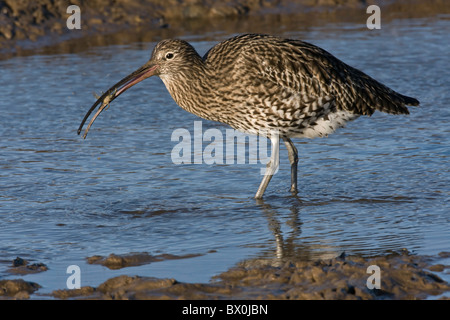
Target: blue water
{"points": [[379, 185]]}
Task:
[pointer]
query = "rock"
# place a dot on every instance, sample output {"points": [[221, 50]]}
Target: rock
{"points": [[437, 267], [84, 292], [19, 262], [17, 288], [21, 266]]}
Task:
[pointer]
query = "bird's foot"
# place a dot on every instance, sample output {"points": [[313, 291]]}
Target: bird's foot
{"points": [[294, 190]]}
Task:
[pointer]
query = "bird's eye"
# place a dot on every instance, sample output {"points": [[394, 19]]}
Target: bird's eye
{"points": [[169, 55]]}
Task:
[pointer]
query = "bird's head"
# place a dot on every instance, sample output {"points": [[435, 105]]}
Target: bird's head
{"points": [[169, 57]]}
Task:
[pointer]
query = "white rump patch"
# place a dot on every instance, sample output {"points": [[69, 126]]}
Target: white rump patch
{"points": [[325, 127]]}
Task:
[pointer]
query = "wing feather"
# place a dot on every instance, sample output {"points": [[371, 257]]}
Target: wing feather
{"points": [[310, 71]]}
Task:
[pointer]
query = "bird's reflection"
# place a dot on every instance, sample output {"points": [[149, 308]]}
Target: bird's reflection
{"points": [[286, 244]]}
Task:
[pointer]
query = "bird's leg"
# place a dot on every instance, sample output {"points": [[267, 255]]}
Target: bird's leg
{"points": [[265, 182], [272, 165], [293, 159]]}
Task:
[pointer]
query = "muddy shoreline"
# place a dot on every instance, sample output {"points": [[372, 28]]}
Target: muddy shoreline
{"points": [[403, 276], [30, 27]]}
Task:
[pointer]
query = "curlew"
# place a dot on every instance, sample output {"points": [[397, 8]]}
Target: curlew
{"points": [[260, 84]]}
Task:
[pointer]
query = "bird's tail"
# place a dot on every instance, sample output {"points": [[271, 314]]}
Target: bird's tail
{"points": [[396, 103], [409, 101], [370, 95], [376, 96]]}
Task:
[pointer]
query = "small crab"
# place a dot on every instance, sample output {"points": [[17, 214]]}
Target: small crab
{"points": [[106, 99]]}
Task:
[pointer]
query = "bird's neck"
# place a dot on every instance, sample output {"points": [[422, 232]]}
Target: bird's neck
{"points": [[192, 88]]}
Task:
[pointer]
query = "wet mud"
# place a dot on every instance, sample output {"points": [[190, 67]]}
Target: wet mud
{"points": [[26, 26], [403, 276], [115, 262], [31, 20]]}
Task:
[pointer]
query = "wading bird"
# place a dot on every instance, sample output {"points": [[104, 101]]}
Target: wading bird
{"points": [[262, 84]]}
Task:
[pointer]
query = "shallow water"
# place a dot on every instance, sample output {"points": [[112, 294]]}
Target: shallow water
{"points": [[379, 185]]}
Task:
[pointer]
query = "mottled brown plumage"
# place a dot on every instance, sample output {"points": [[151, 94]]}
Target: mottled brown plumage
{"points": [[261, 84]]}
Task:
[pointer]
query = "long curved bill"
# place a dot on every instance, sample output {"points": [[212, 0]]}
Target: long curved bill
{"points": [[116, 90]]}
